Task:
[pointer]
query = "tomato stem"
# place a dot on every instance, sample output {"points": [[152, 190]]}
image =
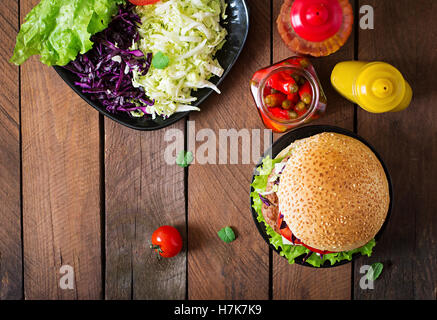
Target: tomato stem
{"points": [[157, 249]]}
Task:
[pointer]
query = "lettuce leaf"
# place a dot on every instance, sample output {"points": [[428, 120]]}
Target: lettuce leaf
{"points": [[289, 251], [58, 30]]}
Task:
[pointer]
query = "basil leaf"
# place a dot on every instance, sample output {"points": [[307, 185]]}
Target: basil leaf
{"points": [[226, 234], [375, 271], [184, 158], [160, 60]]}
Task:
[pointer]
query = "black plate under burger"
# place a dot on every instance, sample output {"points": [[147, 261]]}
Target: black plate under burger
{"points": [[237, 25], [305, 132]]}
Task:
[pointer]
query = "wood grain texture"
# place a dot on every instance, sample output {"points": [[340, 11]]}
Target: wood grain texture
{"points": [[143, 192], [294, 281], [405, 36], [219, 194], [11, 277], [61, 185]]}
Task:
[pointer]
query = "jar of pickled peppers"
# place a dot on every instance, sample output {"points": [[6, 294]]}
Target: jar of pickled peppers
{"points": [[288, 94]]}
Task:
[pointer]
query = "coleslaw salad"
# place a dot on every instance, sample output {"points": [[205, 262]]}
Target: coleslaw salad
{"points": [[189, 33]]}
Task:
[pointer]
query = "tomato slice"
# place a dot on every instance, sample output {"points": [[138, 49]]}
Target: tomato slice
{"points": [[317, 250], [285, 231], [287, 234], [143, 2]]}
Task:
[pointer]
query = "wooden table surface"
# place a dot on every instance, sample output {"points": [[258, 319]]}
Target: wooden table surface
{"points": [[78, 189]]}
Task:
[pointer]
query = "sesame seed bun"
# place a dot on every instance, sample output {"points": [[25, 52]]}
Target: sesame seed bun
{"points": [[333, 192]]}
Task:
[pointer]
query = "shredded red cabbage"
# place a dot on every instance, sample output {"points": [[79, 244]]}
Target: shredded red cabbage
{"points": [[307, 256], [105, 72], [265, 200]]}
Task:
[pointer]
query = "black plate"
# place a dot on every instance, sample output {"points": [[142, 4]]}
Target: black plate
{"points": [[302, 133], [237, 25]]}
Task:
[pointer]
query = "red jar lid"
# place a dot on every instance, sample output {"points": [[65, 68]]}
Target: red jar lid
{"points": [[316, 20]]}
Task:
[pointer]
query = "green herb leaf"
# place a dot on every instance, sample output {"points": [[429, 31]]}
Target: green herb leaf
{"points": [[226, 234], [184, 158], [160, 60], [375, 271]]}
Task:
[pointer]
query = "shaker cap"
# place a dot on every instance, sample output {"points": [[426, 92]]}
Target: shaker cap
{"points": [[316, 20], [380, 87]]}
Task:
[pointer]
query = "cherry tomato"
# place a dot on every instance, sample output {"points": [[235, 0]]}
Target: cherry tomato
{"points": [[143, 2], [167, 241]]}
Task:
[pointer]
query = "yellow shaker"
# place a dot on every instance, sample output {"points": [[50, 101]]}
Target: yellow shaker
{"points": [[376, 87]]}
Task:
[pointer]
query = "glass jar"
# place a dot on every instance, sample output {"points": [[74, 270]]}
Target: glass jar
{"points": [[286, 76]]}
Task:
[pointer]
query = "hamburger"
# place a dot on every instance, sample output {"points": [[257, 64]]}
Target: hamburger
{"points": [[323, 199]]}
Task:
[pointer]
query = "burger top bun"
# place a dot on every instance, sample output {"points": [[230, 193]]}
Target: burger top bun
{"points": [[333, 192]]}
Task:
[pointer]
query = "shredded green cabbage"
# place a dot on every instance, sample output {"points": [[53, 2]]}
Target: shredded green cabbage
{"points": [[189, 33]]}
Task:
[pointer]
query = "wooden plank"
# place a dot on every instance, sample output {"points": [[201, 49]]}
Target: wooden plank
{"points": [[219, 194], [143, 192], [61, 185], [11, 277], [293, 281], [405, 36]]}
